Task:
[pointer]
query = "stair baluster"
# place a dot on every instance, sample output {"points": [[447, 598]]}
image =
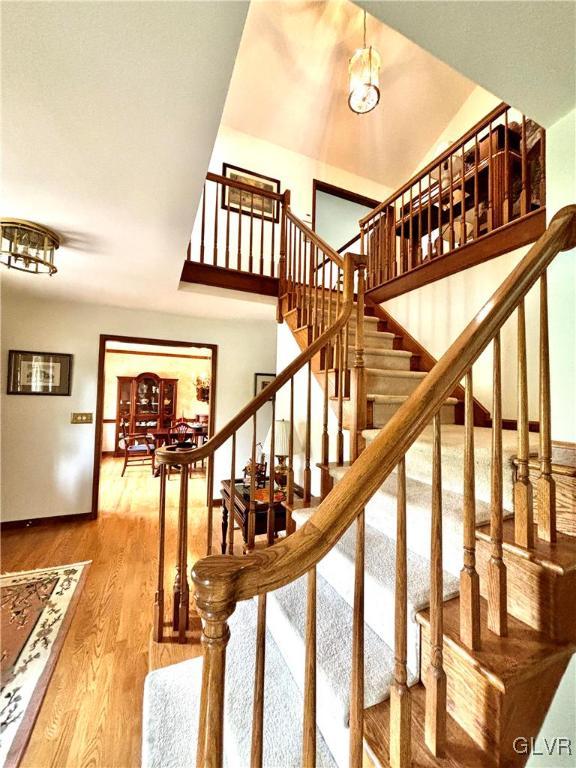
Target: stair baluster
{"points": [[357, 671], [216, 211], [309, 724], [469, 579], [358, 380], [262, 237], [203, 225], [435, 719], [181, 596], [523, 514], [232, 496], [252, 507], [210, 503], [290, 482], [251, 235], [258, 703], [497, 589], [546, 483], [270, 516], [308, 444], [158, 631], [400, 700]]}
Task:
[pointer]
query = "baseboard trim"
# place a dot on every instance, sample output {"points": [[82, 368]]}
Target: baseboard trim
{"points": [[36, 521]]}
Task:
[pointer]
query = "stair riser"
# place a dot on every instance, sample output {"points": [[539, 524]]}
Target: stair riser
{"points": [[379, 341], [536, 595], [389, 362], [391, 385], [492, 718], [383, 412]]}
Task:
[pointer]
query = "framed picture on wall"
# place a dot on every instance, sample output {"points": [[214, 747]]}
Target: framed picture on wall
{"points": [[39, 373], [242, 201], [262, 380]]}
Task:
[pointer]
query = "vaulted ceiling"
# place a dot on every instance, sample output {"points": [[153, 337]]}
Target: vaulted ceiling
{"points": [[289, 86]]}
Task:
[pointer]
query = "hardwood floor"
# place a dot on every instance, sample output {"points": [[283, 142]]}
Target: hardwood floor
{"points": [[91, 713]]}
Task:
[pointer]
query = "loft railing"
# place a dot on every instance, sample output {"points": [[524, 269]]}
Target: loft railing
{"points": [[492, 176], [238, 227], [222, 581], [317, 291]]}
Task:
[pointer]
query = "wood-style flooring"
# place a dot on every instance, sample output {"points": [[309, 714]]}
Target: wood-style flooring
{"points": [[91, 715]]}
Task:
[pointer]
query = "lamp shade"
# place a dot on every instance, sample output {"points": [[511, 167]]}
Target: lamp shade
{"points": [[281, 438]]}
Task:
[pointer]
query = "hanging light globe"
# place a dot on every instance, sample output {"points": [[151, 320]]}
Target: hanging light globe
{"points": [[27, 246], [363, 78]]}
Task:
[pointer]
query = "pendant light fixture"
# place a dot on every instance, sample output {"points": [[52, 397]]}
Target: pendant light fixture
{"points": [[363, 74], [27, 246]]}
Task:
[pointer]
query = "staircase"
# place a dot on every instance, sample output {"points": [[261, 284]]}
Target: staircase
{"points": [[417, 616]]}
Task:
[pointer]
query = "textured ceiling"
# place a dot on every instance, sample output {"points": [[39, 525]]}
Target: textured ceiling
{"points": [[289, 86]]}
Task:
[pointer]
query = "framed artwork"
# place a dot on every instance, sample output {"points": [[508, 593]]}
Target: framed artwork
{"points": [[38, 373], [262, 380], [241, 201]]}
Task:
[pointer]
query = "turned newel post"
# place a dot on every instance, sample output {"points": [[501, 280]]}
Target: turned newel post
{"points": [[359, 371], [282, 261]]}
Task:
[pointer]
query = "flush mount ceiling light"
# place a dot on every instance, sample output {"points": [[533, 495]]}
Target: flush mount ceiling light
{"points": [[27, 246], [363, 73]]}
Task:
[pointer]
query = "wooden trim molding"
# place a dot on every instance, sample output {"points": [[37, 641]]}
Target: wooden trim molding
{"points": [[104, 338], [343, 194], [8, 525], [155, 354], [506, 238], [233, 279]]}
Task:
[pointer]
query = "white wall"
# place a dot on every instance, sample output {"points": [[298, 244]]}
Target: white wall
{"points": [[560, 191], [294, 171], [47, 462], [477, 105]]}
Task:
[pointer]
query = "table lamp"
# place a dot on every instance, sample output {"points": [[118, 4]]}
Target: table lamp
{"points": [[281, 450]]}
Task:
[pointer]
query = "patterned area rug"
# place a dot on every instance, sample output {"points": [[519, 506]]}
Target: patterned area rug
{"points": [[36, 610]]}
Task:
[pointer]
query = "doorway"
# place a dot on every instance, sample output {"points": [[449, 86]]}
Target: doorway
{"points": [[145, 388], [335, 214]]}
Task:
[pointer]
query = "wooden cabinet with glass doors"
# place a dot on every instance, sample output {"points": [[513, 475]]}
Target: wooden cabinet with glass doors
{"points": [[145, 402]]}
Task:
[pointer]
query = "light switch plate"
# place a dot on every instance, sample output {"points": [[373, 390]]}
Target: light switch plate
{"points": [[81, 418]]}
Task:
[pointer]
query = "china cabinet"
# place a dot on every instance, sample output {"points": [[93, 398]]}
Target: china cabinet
{"points": [[145, 402]]}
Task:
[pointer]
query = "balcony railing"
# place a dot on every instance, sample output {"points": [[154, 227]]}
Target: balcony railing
{"points": [[487, 180]]}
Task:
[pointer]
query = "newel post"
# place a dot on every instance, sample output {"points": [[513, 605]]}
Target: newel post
{"points": [[284, 205], [215, 606], [358, 382]]}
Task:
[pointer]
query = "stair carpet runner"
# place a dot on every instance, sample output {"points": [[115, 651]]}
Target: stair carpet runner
{"points": [[172, 694]]}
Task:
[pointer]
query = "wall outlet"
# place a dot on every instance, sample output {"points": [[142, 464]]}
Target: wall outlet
{"points": [[81, 418]]}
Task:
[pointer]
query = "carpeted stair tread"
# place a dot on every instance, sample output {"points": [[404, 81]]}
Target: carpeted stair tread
{"points": [[400, 399], [286, 620], [172, 699], [337, 568], [381, 514], [419, 461]]}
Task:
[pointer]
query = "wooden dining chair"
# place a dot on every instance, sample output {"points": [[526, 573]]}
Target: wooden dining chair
{"points": [[138, 448]]}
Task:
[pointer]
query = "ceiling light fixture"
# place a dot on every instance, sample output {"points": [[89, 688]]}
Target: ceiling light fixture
{"points": [[363, 74], [27, 246]]}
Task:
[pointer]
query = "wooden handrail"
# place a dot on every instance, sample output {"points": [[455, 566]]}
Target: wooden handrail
{"points": [[174, 455], [438, 160], [221, 581], [244, 187]]}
